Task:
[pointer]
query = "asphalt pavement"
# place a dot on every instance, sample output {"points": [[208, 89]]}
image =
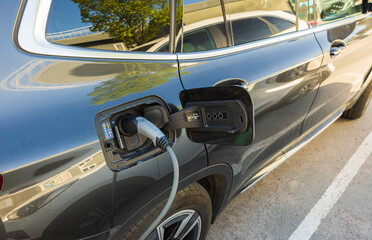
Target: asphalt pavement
{"points": [[319, 193]]}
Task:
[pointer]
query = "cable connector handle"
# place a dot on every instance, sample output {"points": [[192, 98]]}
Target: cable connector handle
{"points": [[139, 125], [162, 143]]}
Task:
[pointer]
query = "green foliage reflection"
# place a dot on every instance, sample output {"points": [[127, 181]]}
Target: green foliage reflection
{"points": [[133, 21], [135, 79]]}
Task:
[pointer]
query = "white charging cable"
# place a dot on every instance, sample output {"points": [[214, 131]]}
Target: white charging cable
{"points": [[171, 195], [146, 128]]}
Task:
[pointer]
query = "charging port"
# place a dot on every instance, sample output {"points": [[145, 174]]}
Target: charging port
{"points": [[218, 115], [122, 148]]}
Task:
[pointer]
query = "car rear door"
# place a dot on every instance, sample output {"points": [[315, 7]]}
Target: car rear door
{"points": [[57, 183], [266, 53], [344, 34]]}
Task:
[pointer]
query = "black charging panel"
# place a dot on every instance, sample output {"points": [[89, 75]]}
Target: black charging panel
{"points": [[223, 109], [137, 149]]}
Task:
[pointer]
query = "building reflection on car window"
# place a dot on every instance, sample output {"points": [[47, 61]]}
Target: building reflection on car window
{"points": [[203, 26], [203, 39], [252, 20], [110, 25], [336, 9]]}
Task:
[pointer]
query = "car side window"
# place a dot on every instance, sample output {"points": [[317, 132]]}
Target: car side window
{"points": [[203, 26], [250, 29], [109, 25], [197, 41], [277, 24], [336, 9], [252, 20]]}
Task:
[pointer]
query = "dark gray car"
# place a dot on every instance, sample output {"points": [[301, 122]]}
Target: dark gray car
{"points": [[240, 86]]}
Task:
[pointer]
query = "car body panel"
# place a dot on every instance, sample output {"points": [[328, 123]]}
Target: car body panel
{"points": [[281, 98], [51, 160], [56, 182], [50, 155], [343, 75]]}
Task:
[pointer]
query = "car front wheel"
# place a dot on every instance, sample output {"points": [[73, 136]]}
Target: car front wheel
{"points": [[189, 218]]}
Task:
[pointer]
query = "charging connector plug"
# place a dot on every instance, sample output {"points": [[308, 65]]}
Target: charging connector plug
{"points": [[132, 125]]}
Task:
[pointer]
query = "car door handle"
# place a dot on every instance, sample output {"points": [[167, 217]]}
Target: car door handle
{"points": [[232, 82], [335, 51], [337, 47]]}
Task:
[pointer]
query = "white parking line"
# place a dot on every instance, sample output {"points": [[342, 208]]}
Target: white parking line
{"points": [[313, 219]]}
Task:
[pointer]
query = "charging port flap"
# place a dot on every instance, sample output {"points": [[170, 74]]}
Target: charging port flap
{"points": [[123, 150], [215, 115], [222, 115]]}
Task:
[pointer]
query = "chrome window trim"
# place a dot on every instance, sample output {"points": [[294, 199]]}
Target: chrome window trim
{"points": [[29, 35], [268, 41], [243, 47], [247, 46]]}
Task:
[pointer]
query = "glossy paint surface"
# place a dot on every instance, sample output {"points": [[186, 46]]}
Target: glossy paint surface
{"points": [[342, 75], [281, 98], [56, 182]]}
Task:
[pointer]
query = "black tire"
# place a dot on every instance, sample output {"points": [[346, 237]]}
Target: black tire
{"points": [[361, 105], [193, 201]]}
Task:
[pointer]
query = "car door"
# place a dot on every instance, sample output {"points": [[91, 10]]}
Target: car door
{"points": [[266, 53], [344, 34], [70, 68], [79, 72]]}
